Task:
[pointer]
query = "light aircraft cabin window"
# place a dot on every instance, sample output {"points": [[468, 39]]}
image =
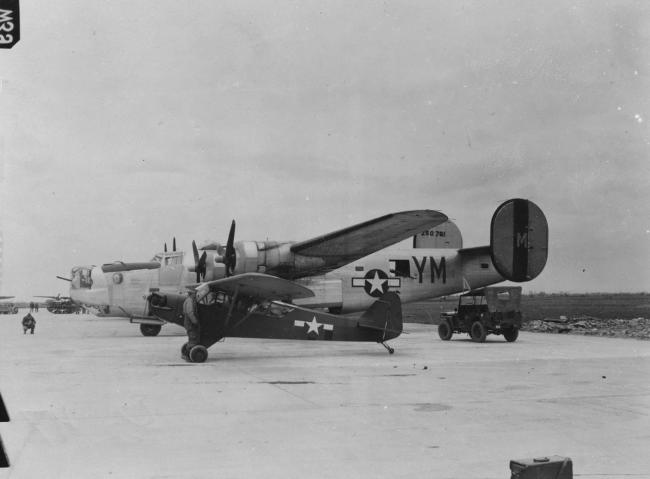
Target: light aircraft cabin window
{"points": [[278, 310], [221, 299], [209, 299]]}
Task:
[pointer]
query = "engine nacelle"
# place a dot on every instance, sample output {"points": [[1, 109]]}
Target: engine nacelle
{"points": [[273, 257], [261, 256]]}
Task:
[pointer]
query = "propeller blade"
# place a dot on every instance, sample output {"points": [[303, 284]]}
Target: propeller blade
{"points": [[202, 265], [199, 263], [174, 245], [230, 258], [195, 251], [64, 279], [165, 247]]}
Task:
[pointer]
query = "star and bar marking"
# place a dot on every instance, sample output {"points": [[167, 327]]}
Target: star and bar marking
{"points": [[313, 326], [376, 283]]}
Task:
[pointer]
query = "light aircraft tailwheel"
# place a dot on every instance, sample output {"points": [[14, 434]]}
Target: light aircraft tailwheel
{"points": [[198, 354], [511, 334], [388, 348], [444, 331], [477, 332], [150, 329]]}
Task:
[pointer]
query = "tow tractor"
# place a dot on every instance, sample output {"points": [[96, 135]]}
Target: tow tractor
{"points": [[490, 310]]}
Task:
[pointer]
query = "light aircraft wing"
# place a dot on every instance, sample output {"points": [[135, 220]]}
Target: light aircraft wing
{"points": [[6, 297], [258, 285], [349, 244]]}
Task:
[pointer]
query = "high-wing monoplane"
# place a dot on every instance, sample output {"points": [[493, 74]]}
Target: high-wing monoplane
{"points": [[347, 270], [255, 305]]}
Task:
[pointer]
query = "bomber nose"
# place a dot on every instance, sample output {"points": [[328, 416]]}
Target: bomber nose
{"points": [[96, 294]]}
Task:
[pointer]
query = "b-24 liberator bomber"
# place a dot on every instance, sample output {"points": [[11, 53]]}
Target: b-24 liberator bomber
{"points": [[347, 270]]}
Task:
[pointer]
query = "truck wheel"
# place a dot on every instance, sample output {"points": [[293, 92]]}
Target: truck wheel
{"points": [[477, 332], [444, 330], [198, 354], [511, 334], [150, 329]]}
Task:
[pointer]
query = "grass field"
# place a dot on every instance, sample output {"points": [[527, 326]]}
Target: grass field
{"points": [[540, 306]]}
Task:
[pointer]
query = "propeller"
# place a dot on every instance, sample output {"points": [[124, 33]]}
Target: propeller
{"points": [[174, 244], [165, 247], [64, 279], [230, 258], [199, 263]]}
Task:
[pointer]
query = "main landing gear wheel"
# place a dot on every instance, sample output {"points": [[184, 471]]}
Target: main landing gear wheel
{"points": [[511, 334], [150, 329], [185, 352], [444, 331], [477, 332], [198, 354]]}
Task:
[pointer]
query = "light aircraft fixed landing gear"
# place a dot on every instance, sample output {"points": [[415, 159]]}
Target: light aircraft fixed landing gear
{"points": [[388, 348], [196, 354]]}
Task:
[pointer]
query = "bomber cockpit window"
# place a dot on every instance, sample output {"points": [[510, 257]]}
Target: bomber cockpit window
{"points": [[81, 278]]}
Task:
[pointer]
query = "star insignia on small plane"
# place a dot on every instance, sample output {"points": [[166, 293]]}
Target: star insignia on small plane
{"points": [[313, 326]]}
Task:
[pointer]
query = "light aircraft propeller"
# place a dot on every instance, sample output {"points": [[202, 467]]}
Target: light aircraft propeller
{"points": [[230, 258]]}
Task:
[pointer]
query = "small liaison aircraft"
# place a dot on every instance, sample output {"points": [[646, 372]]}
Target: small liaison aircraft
{"points": [[255, 305], [347, 270]]}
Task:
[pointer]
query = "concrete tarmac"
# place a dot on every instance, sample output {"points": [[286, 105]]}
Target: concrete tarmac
{"points": [[92, 398]]}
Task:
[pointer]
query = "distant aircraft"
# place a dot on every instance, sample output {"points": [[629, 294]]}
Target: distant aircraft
{"points": [[60, 304], [255, 305], [347, 270]]}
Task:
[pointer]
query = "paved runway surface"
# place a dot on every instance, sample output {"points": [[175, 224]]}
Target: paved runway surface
{"points": [[90, 397]]}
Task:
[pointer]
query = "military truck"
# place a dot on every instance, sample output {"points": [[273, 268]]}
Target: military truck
{"points": [[8, 308], [490, 310]]}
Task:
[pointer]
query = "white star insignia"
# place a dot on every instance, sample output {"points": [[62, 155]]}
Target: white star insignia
{"points": [[376, 283], [313, 326]]}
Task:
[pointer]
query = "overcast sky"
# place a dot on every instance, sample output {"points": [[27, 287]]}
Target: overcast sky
{"points": [[126, 123]]}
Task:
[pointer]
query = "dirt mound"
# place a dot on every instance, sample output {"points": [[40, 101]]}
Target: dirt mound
{"points": [[588, 325]]}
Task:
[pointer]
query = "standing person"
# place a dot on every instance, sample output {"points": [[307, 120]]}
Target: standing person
{"points": [[191, 322], [31, 306], [29, 323], [36, 306]]}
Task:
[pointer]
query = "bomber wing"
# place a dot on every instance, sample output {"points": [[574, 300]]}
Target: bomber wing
{"points": [[258, 285], [349, 244]]}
